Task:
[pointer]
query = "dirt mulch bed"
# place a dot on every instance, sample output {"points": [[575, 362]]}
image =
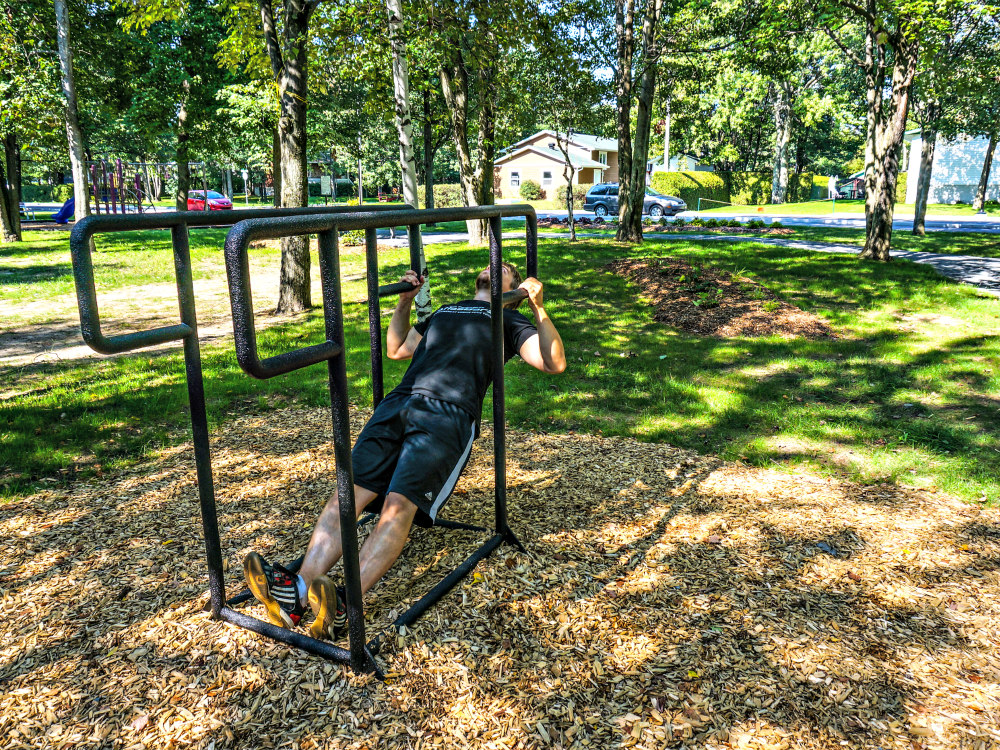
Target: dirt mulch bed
{"points": [[702, 301], [665, 600]]}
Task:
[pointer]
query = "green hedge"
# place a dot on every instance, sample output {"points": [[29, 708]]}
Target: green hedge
{"points": [[62, 193], [690, 186], [747, 188], [579, 193], [531, 190], [901, 181], [738, 188]]}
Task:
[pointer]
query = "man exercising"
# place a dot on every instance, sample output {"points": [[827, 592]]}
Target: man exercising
{"points": [[411, 452]]}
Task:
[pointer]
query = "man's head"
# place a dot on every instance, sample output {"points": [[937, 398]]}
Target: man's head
{"points": [[511, 280]]}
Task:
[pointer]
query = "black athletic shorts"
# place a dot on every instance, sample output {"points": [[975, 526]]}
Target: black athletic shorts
{"points": [[416, 446]]}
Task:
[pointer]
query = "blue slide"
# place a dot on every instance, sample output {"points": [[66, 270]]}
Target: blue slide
{"points": [[65, 213]]}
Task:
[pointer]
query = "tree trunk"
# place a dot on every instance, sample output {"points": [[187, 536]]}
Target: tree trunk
{"points": [[874, 82], [928, 137], [782, 138], [984, 180], [631, 206], [625, 34], [455, 87], [12, 157], [275, 167], [7, 231], [74, 136], [568, 172], [428, 134], [182, 158], [878, 239], [404, 131], [289, 64]]}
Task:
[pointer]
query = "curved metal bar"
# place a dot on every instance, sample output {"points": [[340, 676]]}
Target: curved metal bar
{"points": [[80, 242]]}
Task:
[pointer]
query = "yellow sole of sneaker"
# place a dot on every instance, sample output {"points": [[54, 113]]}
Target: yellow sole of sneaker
{"points": [[323, 602], [256, 579]]}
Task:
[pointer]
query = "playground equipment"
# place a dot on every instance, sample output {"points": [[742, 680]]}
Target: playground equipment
{"points": [[326, 222], [119, 186]]}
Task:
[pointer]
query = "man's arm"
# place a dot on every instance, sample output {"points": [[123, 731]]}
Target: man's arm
{"points": [[401, 339], [543, 351]]}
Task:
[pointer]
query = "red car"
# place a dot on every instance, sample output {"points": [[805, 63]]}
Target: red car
{"points": [[216, 201]]}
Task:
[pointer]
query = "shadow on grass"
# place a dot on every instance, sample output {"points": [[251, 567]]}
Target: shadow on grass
{"points": [[627, 374]]}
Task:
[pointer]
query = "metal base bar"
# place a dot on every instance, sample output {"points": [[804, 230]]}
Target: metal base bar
{"points": [[448, 582], [304, 642], [444, 523]]}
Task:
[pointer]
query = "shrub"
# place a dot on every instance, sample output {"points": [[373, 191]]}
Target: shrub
{"points": [[680, 223], [446, 195], [62, 193], [733, 223], [755, 224], [33, 193], [531, 190], [776, 224], [697, 222], [709, 223], [579, 193], [901, 179], [690, 186]]}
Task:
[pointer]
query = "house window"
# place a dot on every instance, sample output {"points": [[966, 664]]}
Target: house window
{"points": [[602, 157], [515, 179], [546, 179]]}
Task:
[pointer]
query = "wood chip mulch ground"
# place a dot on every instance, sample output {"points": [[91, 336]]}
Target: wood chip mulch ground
{"points": [[702, 301], [666, 600]]}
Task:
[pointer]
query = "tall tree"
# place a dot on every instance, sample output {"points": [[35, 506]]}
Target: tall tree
{"points": [[404, 131], [74, 136]]}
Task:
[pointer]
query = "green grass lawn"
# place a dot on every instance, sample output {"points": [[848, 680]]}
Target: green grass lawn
{"points": [[845, 206], [907, 392]]}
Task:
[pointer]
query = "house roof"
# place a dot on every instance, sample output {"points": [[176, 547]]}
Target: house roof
{"points": [[583, 140], [579, 162]]}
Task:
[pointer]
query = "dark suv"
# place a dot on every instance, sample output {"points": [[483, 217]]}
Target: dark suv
{"points": [[602, 199]]}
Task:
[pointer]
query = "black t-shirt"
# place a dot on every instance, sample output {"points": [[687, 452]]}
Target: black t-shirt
{"points": [[453, 360]]}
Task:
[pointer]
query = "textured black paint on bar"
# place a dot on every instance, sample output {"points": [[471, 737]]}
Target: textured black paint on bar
{"points": [[374, 315]]}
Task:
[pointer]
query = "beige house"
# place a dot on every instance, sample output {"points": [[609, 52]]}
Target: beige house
{"points": [[538, 158]]}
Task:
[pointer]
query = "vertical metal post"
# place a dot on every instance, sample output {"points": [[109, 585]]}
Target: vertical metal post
{"points": [[361, 659], [413, 240], [199, 420], [496, 329], [531, 244], [374, 316]]}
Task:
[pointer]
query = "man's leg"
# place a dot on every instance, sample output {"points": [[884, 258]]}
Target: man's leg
{"points": [[385, 543], [377, 555], [325, 546]]}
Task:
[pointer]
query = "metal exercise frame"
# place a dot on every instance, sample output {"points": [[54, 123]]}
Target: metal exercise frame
{"points": [[360, 656], [187, 331]]}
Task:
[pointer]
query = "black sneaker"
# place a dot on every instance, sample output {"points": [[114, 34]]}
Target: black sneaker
{"points": [[327, 603], [274, 587]]}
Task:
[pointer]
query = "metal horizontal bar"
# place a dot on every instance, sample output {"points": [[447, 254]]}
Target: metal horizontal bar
{"points": [[274, 227], [448, 583], [304, 642], [444, 523], [96, 224], [83, 267], [388, 290], [286, 362]]}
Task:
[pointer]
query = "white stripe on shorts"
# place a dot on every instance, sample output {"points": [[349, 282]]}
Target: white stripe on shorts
{"points": [[452, 480]]}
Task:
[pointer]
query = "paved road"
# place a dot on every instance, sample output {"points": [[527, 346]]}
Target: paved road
{"points": [[982, 273], [987, 224]]}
